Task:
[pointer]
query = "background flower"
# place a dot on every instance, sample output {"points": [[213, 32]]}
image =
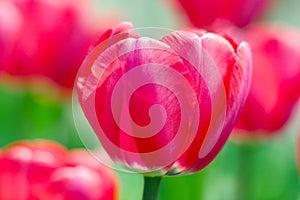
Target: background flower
{"points": [[48, 38], [275, 87], [45, 170], [202, 13]]}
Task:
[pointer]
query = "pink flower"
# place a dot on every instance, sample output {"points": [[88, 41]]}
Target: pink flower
{"points": [[203, 13], [275, 86], [45, 170], [164, 105], [47, 38]]}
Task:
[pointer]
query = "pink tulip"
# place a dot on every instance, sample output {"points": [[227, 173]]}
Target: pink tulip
{"points": [[164, 105], [275, 86], [45, 170], [47, 38], [202, 13]]}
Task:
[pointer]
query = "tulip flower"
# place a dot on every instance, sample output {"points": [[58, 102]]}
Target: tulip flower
{"points": [[125, 76], [276, 78], [202, 13], [44, 38], [163, 106], [45, 170]]}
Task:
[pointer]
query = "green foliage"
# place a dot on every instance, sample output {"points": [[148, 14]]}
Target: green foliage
{"points": [[269, 167], [28, 115]]}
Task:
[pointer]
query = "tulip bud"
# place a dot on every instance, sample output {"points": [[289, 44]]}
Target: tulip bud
{"points": [[165, 105]]}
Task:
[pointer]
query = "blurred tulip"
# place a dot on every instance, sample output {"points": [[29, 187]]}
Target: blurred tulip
{"points": [[275, 86], [9, 29], [203, 13], [45, 170], [47, 38], [191, 74]]}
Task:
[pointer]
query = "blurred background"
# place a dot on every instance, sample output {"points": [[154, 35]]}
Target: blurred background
{"points": [[35, 94]]}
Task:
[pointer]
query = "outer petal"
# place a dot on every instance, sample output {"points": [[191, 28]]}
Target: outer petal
{"points": [[239, 82], [234, 68], [155, 59], [85, 77]]}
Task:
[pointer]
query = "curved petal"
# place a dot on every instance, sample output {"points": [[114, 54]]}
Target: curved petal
{"points": [[233, 70]]}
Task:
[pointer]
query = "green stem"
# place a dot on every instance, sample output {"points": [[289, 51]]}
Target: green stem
{"points": [[245, 172], [151, 187]]}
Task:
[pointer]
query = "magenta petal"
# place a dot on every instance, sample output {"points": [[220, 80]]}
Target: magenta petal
{"points": [[216, 59], [240, 81], [150, 61]]}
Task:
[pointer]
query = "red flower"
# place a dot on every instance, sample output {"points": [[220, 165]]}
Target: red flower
{"points": [[275, 86], [164, 105], [203, 13], [49, 38], [45, 170]]}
